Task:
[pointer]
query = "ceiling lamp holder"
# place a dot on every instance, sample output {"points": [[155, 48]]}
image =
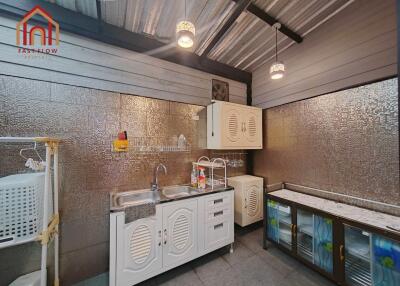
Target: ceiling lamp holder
{"points": [[277, 69], [185, 32]]}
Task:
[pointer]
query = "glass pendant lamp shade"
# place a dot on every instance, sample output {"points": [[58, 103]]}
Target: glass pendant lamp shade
{"points": [[277, 70], [185, 32]]}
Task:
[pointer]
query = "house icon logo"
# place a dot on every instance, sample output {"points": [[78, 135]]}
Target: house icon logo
{"points": [[37, 35]]}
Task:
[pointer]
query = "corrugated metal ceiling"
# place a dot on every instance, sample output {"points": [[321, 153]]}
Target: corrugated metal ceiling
{"points": [[247, 44]]}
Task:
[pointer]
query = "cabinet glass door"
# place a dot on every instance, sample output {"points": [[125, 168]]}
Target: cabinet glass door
{"points": [[323, 243], [279, 223], [305, 235], [357, 256], [385, 261], [315, 239]]}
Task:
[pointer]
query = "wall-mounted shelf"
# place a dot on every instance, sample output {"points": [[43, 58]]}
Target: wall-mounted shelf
{"points": [[140, 145]]}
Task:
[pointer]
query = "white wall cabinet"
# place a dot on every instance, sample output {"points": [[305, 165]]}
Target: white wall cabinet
{"points": [[180, 231], [233, 126]]}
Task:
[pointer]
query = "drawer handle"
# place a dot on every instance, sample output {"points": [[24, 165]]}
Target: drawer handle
{"points": [[218, 201], [165, 236], [218, 213], [218, 225]]}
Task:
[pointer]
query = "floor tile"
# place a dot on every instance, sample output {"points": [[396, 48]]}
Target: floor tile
{"points": [[210, 266], [227, 277], [279, 260], [254, 271], [252, 240], [299, 278], [240, 253]]}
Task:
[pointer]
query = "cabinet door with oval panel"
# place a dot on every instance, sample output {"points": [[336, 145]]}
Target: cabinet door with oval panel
{"points": [[232, 133], [180, 232], [252, 126], [141, 250], [253, 203]]}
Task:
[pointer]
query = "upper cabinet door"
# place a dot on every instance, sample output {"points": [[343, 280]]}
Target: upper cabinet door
{"points": [[252, 127], [232, 131], [139, 250], [233, 126], [180, 232]]}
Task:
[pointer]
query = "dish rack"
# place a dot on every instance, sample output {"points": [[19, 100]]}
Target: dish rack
{"points": [[29, 205], [213, 164]]}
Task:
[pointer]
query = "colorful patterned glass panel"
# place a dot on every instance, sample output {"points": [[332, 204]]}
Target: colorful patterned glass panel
{"points": [[272, 221], [386, 261], [323, 244]]}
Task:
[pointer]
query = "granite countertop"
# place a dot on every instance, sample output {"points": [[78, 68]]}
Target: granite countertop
{"points": [[365, 216]]}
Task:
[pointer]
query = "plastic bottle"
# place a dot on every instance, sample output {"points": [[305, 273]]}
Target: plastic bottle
{"points": [[202, 179], [193, 177]]}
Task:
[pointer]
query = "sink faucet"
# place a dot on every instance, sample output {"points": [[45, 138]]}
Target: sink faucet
{"points": [[154, 183]]}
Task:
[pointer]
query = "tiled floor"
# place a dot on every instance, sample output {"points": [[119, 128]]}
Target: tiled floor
{"points": [[248, 265]]}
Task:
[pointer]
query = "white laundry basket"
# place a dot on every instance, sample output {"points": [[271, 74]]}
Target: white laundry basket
{"points": [[31, 279], [21, 208]]}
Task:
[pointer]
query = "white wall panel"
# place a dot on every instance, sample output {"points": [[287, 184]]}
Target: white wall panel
{"points": [[88, 63], [358, 45]]}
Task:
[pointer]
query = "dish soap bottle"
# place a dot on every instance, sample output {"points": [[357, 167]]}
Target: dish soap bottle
{"points": [[202, 179], [193, 177]]}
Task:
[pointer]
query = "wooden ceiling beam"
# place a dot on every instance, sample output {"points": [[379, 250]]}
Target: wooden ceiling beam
{"points": [[270, 20], [241, 6]]}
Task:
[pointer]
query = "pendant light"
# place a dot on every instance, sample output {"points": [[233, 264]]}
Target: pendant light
{"points": [[277, 69], [185, 32]]}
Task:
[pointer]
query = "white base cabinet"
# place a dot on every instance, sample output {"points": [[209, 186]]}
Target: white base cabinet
{"points": [[180, 231], [248, 199]]}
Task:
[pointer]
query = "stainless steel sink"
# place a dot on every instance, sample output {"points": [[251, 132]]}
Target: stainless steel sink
{"points": [[179, 191], [133, 198]]}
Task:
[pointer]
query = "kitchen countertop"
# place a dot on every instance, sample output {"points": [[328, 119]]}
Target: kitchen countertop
{"points": [[353, 213], [143, 209]]}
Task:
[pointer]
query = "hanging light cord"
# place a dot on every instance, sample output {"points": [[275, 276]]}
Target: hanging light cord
{"points": [[185, 11], [276, 44]]}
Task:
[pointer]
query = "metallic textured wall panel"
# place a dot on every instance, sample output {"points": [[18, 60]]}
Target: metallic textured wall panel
{"points": [[345, 142], [88, 120]]}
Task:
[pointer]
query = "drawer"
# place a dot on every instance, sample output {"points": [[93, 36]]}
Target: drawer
{"points": [[218, 213], [218, 201], [218, 234]]}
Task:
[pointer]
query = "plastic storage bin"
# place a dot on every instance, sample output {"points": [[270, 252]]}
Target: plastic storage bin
{"points": [[31, 279], [21, 208]]}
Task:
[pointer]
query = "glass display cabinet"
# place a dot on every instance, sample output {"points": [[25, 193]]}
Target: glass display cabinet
{"points": [[343, 251]]}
